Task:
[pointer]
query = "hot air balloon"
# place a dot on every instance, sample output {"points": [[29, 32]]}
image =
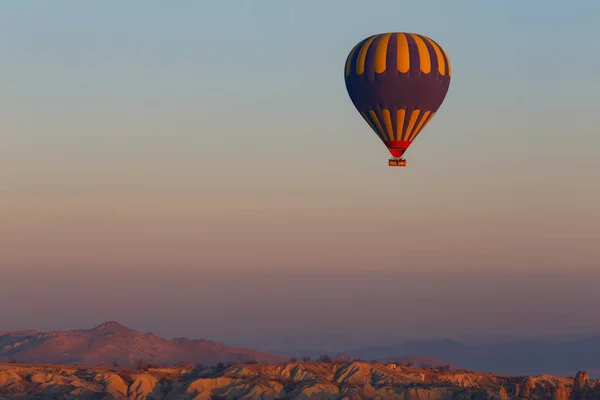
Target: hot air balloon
{"points": [[397, 81]]}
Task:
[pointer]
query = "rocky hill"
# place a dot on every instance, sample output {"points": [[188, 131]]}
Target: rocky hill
{"points": [[302, 381], [111, 343]]}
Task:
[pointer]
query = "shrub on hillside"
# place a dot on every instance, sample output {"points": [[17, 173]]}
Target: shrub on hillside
{"points": [[324, 358]]}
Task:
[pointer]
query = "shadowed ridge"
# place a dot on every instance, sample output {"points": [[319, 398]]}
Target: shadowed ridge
{"points": [[205, 343]]}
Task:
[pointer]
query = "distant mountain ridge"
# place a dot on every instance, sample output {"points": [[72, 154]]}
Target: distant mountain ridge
{"points": [[514, 357], [110, 342], [557, 356]]}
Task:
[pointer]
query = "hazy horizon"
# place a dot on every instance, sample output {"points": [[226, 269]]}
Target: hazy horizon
{"points": [[199, 170], [245, 304]]}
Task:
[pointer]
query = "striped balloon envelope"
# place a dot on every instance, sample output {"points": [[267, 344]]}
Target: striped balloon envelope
{"points": [[397, 81]]}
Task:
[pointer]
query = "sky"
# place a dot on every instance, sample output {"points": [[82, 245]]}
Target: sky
{"points": [[198, 170]]}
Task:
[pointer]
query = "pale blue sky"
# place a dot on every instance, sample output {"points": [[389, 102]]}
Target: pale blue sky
{"points": [[141, 136]]}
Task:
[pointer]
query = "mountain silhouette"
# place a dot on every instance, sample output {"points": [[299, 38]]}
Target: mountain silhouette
{"points": [[513, 357]]}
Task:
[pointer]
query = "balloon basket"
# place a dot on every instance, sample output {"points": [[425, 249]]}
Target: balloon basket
{"points": [[397, 162]]}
